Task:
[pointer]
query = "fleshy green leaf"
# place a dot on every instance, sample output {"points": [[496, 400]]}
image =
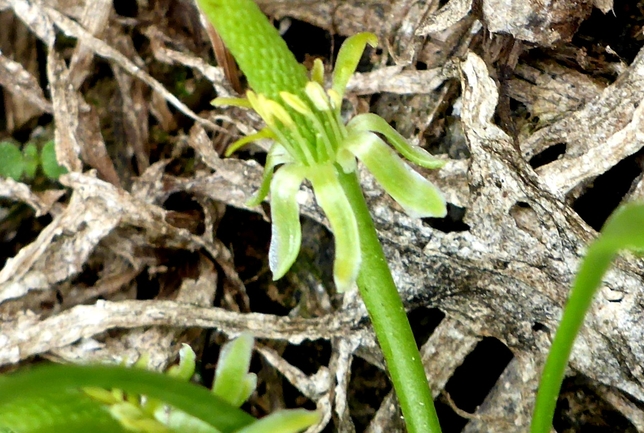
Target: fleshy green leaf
{"points": [[49, 162], [192, 399], [332, 199], [257, 46], [285, 421], [373, 122], [66, 410], [11, 161], [286, 233], [30, 154], [231, 375], [418, 196], [348, 59]]}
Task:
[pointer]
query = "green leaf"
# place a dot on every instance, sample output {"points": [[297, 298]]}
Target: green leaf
{"points": [[373, 122], [11, 161], [47, 381], [418, 196], [332, 199], [623, 230], [67, 410], [231, 376], [31, 160], [286, 233], [50, 166]]}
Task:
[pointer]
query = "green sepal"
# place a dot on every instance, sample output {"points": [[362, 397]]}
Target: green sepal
{"points": [[276, 155], [284, 421], [233, 383], [286, 233], [373, 122], [348, 59], [418, 196], [332, 199]]}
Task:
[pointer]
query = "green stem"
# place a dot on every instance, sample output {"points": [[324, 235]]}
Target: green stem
{"points": [[588, 279], [389, 320]]}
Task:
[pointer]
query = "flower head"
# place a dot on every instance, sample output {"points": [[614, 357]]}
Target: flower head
{"points": [[312, 142]]}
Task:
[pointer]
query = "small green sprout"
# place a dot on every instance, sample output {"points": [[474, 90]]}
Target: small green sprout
{"points": [[15, 163]]}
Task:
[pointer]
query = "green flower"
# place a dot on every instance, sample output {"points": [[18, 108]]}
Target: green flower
{"points": [[312, 143]]}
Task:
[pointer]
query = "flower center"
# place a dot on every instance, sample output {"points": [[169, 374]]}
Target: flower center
{"points": [[307, 125]]}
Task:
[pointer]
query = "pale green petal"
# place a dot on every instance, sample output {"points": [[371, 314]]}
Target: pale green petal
{"points": [[276, 156], [418, 196], [286, 234], [375, 123], [348, 59], [331, 198], [262, 133], [232, 370], [284, 421]]}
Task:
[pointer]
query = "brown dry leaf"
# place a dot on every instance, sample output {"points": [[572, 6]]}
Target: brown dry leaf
{"points": [[17, 191], [95, 18], [95, 209], [17, 80], [542, 23]]}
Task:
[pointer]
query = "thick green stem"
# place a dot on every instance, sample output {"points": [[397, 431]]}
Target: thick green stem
{"points": [[389, 320]]}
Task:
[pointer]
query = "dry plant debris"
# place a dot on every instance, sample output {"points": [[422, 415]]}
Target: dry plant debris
{"points": [[135, 250]]}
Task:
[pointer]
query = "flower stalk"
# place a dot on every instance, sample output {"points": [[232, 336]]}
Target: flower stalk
{"points": [[389, 320]]}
